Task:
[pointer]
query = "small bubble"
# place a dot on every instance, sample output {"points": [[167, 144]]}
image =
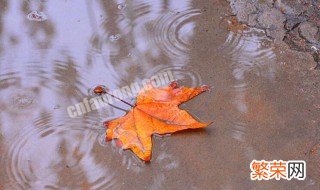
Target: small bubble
{"points": [[121, 6], [115, 37], [37, 16]]}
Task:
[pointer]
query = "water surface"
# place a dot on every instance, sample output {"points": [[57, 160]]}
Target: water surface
{"points": [[48, 65]]}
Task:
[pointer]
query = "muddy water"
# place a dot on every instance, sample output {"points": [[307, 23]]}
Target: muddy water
{"points": [[259, 105]]}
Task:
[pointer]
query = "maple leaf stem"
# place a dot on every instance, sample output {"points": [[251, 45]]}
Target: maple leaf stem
{"points": [[120, 99]]}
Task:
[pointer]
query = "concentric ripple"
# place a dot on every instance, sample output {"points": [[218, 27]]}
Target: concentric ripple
{"points": [[20, 86], [173, 31], [65, 147], [185, 75], [251, 55]]}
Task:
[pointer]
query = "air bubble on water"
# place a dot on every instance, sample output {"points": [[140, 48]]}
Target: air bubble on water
{"points": [[121, 6], [37, 16], [115, 37]]}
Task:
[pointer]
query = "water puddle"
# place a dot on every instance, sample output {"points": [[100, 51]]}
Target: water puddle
{"points": [[53, 57]]}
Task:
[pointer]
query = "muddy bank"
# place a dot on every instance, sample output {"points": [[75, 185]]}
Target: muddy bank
{"points": [[294, 22]]}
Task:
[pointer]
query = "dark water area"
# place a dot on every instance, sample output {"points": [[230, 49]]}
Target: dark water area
{"points": [[264, 102]]}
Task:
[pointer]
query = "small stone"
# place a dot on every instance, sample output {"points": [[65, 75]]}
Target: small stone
{"points": [[252, 20], [272, 20], [243, 9], [293, 22], [272, 17], [277, 34], [308, 31]]}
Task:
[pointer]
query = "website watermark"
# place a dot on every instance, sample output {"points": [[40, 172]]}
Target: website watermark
{"points": [[130, 91], [278, 169]]}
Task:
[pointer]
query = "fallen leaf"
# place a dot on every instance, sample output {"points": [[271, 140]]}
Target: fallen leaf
{"points": [[234, 25], [156, 112]]}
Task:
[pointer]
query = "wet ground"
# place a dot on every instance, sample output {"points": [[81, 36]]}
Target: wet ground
{"points": [[265, 102], [294, 22]]}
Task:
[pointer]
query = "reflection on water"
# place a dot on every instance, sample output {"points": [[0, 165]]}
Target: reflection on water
{"points": [[251, 54], [49, 65], [183, 74], [49, 149], [173, 32]]}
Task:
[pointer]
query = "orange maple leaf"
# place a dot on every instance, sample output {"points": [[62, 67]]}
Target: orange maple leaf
{"points": [[156, 112]]}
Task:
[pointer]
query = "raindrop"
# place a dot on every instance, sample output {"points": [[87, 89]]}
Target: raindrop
{"points": [[23, 99], [37, 16], [121, 6], [115, 37]]}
